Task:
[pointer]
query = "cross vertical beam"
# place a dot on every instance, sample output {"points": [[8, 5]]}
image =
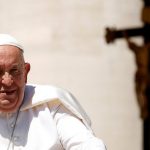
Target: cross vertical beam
{"points": [[142, 76]]}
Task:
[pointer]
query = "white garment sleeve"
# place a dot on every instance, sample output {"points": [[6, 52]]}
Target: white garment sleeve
{"points": [[73, 133]]}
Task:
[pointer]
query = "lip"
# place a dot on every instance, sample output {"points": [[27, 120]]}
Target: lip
{"points": [[7, 96], [8, 99], [7, 105], [7, 91]]}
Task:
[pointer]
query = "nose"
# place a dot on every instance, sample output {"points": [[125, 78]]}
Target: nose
{"points": [[7, 79]]}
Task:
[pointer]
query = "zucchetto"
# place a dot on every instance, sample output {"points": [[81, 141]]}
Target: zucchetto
{"points": [[6, 39]]}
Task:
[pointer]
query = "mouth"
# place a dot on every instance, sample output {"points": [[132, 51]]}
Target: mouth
{"points": [[7, 92], [8, 99], [7, 96]]}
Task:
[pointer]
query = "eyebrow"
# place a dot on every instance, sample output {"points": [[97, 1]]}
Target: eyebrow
{"points": [[15, 65]]}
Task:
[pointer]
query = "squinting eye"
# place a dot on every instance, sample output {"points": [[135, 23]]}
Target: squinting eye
{"points": [[14, 71], [1, 72]]}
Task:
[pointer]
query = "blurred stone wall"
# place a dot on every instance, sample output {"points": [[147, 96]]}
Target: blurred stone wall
{"points": [[64, 42]]}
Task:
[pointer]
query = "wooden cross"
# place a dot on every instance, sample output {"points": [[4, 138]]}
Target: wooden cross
{"points": [[142, 57]]}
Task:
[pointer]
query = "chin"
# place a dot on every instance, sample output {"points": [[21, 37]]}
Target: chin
{"points": [[11, 108]]}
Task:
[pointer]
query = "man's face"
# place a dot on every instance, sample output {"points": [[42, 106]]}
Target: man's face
{"points": [[13, 77]]}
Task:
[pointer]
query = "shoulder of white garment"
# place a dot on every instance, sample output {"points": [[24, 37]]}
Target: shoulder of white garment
{"points": [[36, 95]]}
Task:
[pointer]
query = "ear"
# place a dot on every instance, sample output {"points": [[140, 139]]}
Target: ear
{"points": [[27, 69]]}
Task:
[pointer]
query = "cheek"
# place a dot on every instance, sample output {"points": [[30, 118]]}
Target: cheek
{"points": [[21, 88], [25, 76], [20, 81]]}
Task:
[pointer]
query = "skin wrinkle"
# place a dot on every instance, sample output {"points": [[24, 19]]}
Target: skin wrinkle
{"points": [[13, 77], [36, 116]]}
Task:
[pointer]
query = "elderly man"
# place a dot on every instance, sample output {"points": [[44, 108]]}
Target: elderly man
{"points": [[35, 117]]}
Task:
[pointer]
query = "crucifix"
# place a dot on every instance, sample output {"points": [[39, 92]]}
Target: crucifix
{"points": [[142, 58]]}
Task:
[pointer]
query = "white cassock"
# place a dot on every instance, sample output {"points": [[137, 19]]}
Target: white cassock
{"points": [[50, 118]]}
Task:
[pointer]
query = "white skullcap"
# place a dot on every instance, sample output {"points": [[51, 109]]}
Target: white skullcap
{"points": [[6, 39]]}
